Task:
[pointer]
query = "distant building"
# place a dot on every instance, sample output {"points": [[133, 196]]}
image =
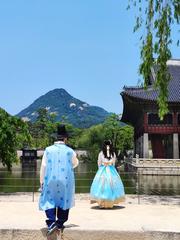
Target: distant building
{"points": [[81, 153], [154, 138]]}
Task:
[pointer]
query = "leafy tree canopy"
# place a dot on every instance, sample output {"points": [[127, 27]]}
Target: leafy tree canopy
{"points": [[13, 134], [42, 129], [92, 138], [157, 17]]}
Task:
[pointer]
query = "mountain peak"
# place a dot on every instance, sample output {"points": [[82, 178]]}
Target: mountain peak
{"points": [[60, 102], [58, 92]]}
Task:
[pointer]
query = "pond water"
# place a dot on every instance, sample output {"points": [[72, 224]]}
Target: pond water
{"points": [[26, 179]]}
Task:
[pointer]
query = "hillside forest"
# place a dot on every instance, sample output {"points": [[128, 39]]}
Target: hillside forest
{"points": [[15, 134]]}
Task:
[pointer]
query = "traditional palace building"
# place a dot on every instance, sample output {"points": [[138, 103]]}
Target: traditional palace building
{"points": [[154, 138]]}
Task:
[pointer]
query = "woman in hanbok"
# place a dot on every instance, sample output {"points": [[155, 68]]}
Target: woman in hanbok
{"points": [[107, 188]]}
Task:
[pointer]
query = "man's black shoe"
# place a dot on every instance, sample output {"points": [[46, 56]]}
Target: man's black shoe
{"points": [[51, 229]]}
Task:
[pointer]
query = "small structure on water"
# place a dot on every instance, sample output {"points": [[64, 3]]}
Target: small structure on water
{"points": [[157, 143], [29, 157]]}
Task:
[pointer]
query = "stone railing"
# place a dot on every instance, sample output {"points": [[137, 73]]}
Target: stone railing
{"points": [[153, 162]]}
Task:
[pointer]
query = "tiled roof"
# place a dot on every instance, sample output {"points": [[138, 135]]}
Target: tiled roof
{"points": [[152, 94]]}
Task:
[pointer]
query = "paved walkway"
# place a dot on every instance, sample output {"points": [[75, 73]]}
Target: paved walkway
{"points": [[23, 220]]}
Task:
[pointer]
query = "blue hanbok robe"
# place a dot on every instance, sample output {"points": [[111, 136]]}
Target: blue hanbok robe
{"points": [[59, 185]]}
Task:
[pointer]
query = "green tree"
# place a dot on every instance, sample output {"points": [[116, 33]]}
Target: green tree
{"points": [[120, 135], [74, 134], [125, 139], [158, 18], [43, 128], [92, 138], [13, 134], [112, 128]]}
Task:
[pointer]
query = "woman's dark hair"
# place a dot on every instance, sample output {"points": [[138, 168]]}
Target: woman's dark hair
{"points": [[111, 150]]}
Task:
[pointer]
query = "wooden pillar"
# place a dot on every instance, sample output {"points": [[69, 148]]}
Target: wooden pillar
{"points": [[145, 146], [175, 146], [139, 146], [145, 123]]}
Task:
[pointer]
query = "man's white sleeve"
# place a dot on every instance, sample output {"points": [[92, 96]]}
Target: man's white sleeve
{"points": [[75, 161], [43, 167]]}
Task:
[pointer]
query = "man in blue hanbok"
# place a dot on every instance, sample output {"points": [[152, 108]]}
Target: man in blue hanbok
{"points": [[57, 181]]}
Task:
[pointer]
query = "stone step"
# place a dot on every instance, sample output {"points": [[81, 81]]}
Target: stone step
{"points": [[18, 234]]}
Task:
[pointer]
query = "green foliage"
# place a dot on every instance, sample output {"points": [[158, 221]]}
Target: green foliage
{"points": [[43, 134], [121, 136], [126, 139], [16, 134], [42, 129], [74, 134], [111, 129], [157, 16], [13, 134], [92, 138]]}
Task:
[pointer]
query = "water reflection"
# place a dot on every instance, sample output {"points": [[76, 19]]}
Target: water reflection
{"points": [[84, 175], [159, 185], [26, 179]]}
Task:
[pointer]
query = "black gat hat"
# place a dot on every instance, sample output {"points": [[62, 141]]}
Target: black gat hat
{"points": [[61, 131]]}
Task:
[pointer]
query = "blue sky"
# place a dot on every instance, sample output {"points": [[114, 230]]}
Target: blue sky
{"points": [[86, 47]]}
